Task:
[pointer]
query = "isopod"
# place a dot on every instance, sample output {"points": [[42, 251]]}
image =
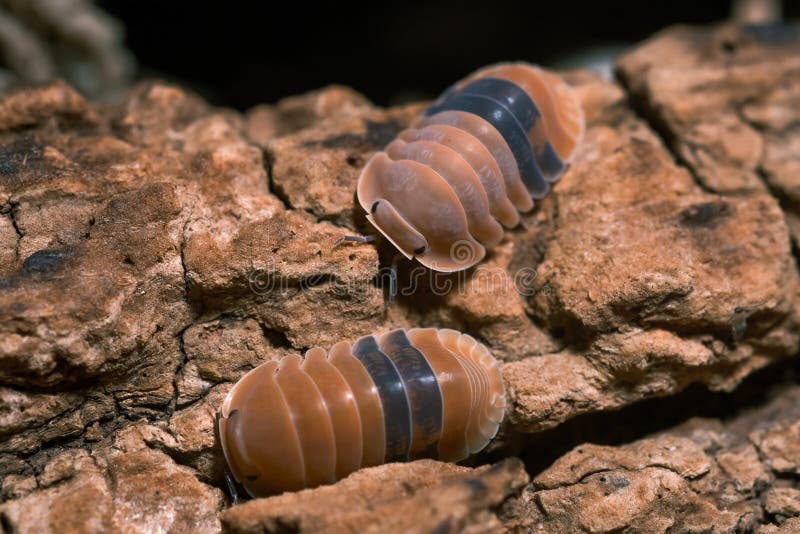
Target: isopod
{"points": [[443, 190], [402, 395]]}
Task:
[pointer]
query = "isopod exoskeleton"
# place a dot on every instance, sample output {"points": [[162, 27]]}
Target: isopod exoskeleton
{"points": [[492, 143], [403, 395]]}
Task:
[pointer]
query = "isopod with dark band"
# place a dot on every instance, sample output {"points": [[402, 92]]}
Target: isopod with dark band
{"points": [[403, 395], [445, 188]]}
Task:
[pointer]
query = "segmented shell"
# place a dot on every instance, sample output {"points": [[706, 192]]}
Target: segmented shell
{"points": [[491, 144], [403, 395]]}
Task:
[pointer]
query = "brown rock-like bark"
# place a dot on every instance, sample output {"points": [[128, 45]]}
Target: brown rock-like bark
{"points": [[423, 496], [153, 251], [727, 100], [702, 476]]}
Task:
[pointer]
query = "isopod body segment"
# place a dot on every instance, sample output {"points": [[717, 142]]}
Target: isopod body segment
{"points": [[443, 190], [403, 395]]}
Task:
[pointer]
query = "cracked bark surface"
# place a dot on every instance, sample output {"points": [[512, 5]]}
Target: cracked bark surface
{"points": [[153, 251], [704, 475], [727, 101]]}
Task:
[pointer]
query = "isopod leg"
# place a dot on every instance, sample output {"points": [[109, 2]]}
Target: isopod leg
{"points": [[393, 280], [230, 483], [392, 267], [354, 239]]}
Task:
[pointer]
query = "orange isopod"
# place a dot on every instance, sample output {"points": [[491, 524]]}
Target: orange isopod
{"points": [[402, 395], [443, 190]]}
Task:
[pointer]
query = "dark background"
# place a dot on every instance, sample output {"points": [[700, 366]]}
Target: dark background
{"points": [[243, 53]]}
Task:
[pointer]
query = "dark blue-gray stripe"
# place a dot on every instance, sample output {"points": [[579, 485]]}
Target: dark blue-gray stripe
{"points": [[510, 95], [511, 130], [519, 103], [396, 409], [423, 391]]}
